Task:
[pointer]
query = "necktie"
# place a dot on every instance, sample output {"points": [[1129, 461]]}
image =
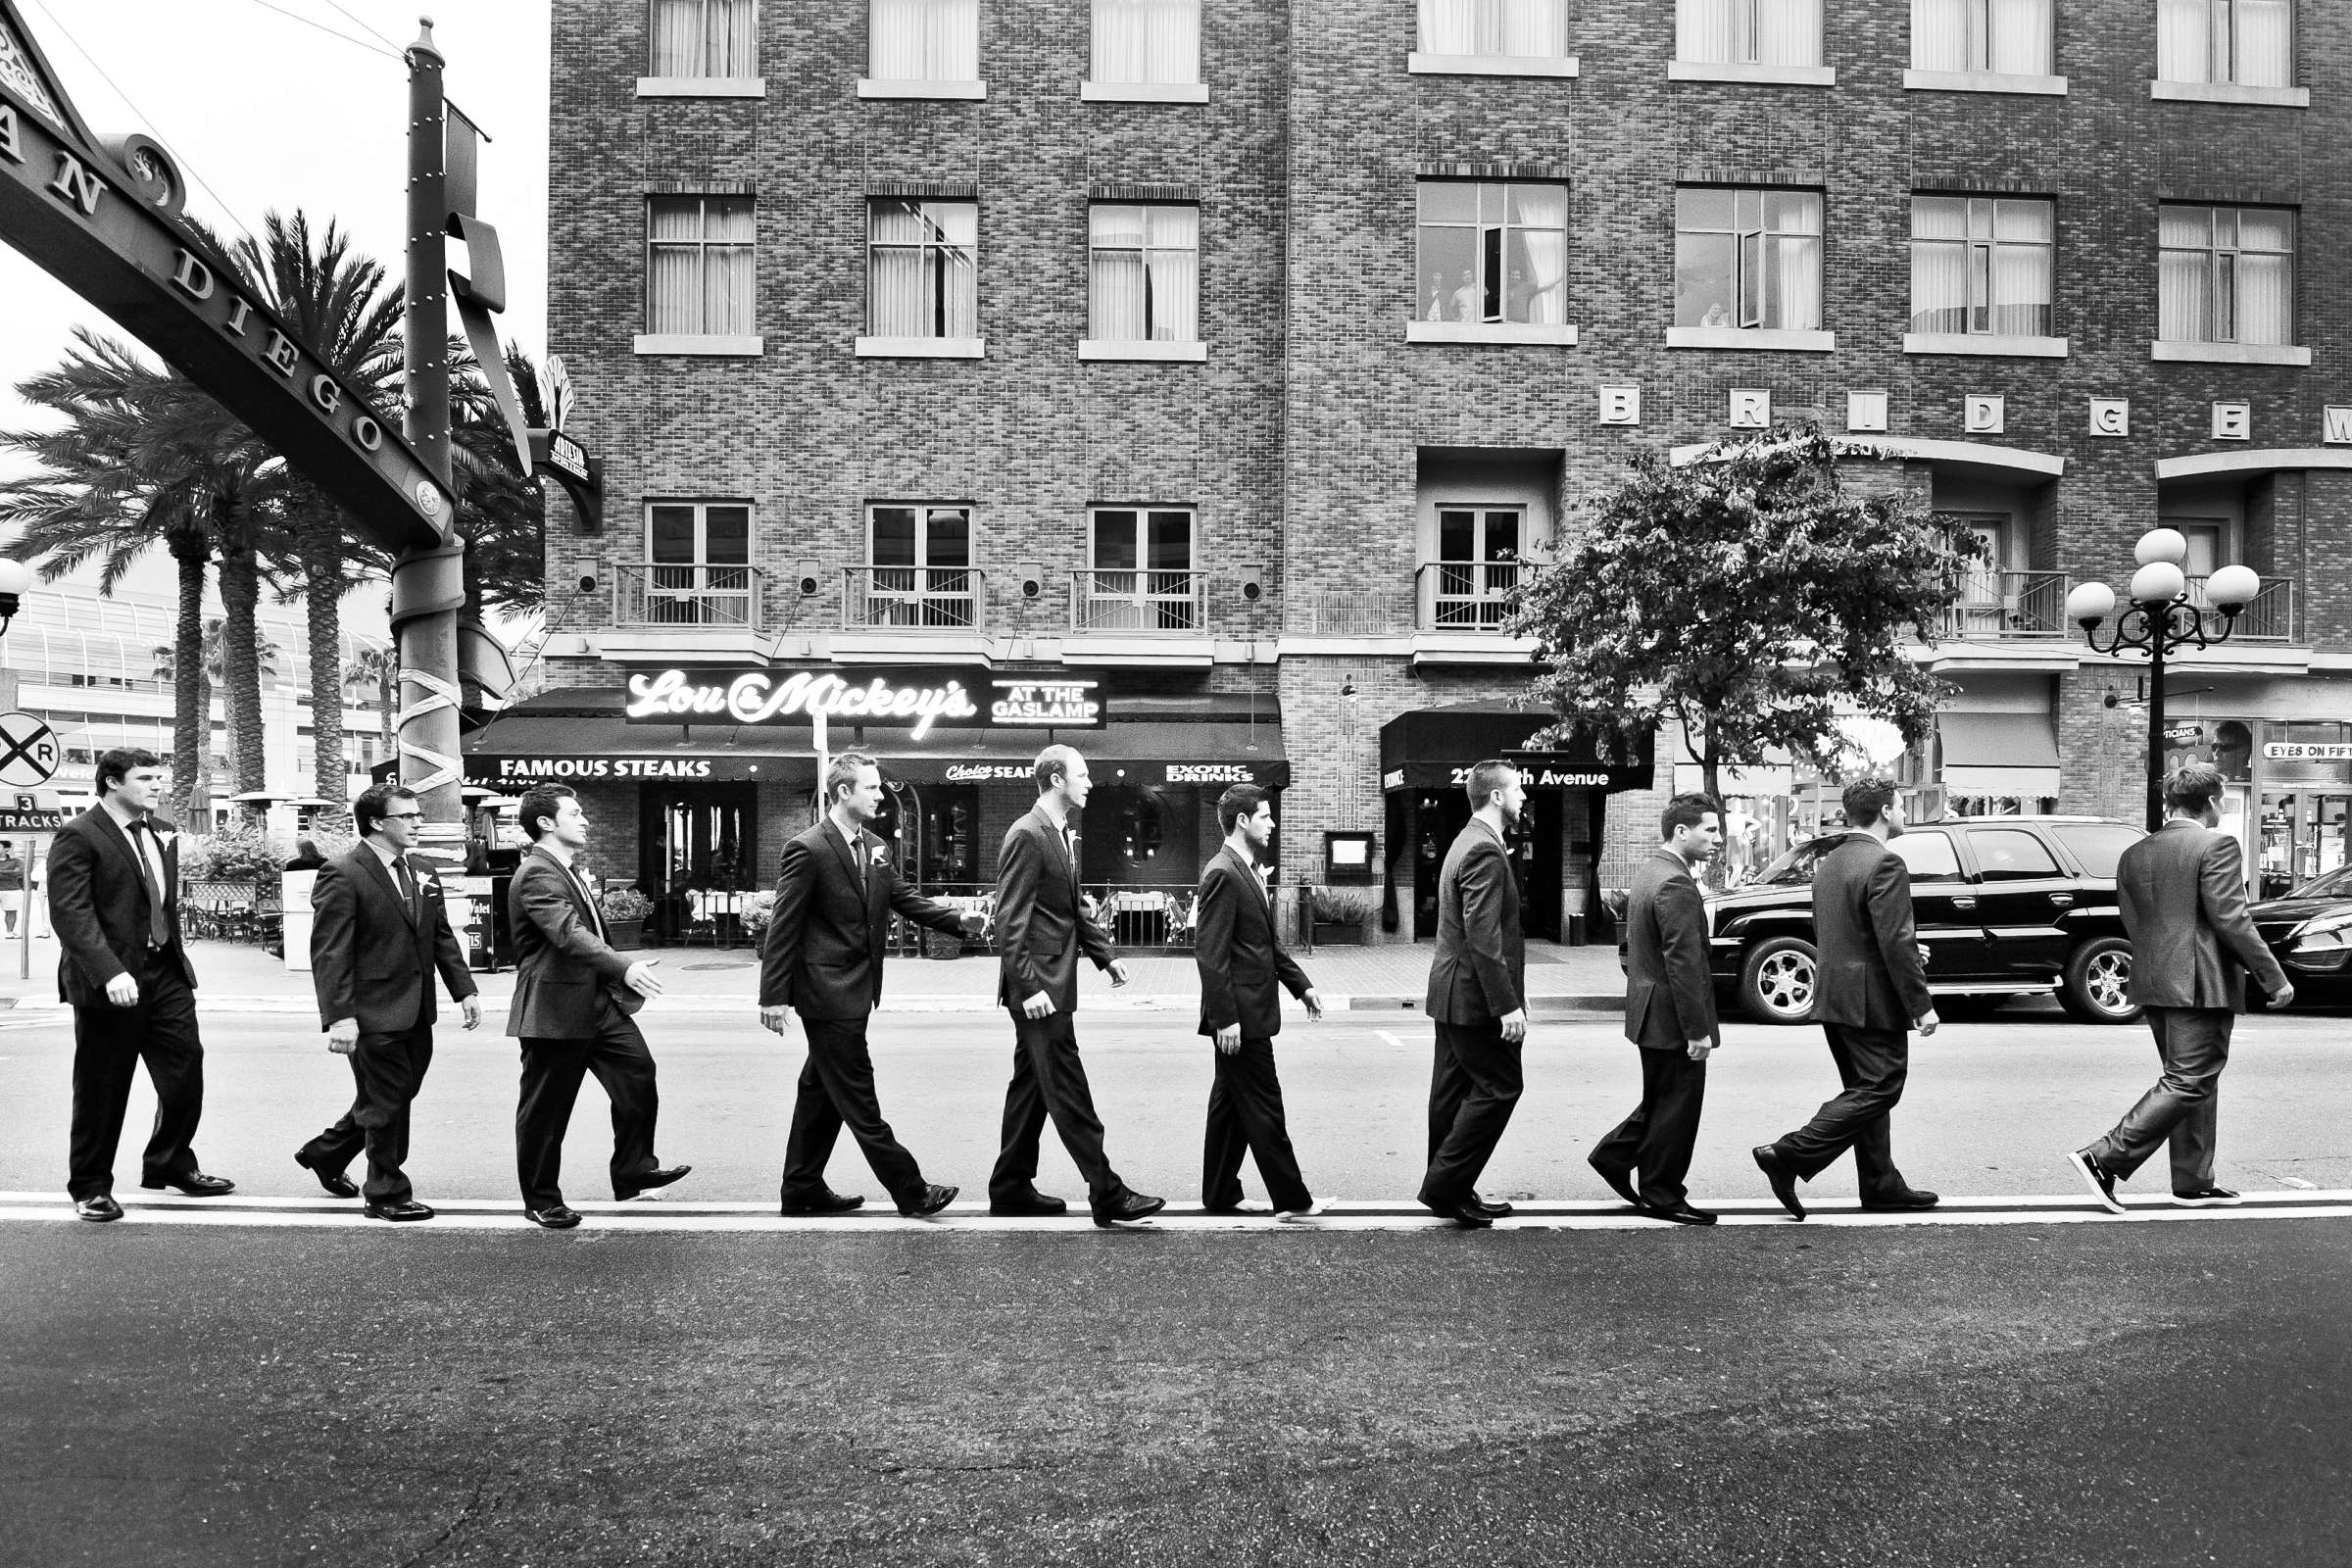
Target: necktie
{"points": [[858, 858], [407, 885], [159, 928]]}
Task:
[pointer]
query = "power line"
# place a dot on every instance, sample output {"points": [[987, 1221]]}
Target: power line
{"points": [[362, 25], [357, 43]]}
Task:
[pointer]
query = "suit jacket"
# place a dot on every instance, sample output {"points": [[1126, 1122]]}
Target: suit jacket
{"points": [[1480, 971], [564, 972], [372, 954], [1041, 929], [1869, 974], [2184, 895], [98, 905], [823, 950], [1669, 989], [1240, 957]]}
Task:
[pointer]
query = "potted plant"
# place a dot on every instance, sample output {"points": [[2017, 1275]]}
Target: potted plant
{"points": [[1341, 914], [625, 909]]}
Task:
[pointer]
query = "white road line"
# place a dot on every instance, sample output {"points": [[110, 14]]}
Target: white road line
{"points": [[1389, 1037]]}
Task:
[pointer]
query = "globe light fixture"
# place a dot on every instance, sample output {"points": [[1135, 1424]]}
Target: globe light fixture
{"points": [[16, 581]]}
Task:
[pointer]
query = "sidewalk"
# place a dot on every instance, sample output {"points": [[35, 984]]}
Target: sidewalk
{"points": [[233, 977]]}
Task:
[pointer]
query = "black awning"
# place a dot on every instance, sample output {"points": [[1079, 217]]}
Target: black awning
{"points": [[1430, 748]]}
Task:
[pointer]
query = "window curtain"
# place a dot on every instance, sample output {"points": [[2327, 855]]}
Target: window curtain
{"points": [[2184, 274], [1147, 40], [1938, 265], [677, 37], [1791, 260], [1539, 217], [1516, 27], [1115, 276], [2265, 42], [2021, 37], [2022, 268], [1448, 26], [1172, 271], [733, 33], [2265, 278], [2185, 40], [1702, 31], [1788, 32], [674, 286], [2010, 36], [727, 267], [923, 40]]}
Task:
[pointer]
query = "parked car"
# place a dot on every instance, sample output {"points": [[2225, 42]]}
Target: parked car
{"points": [[2309, 931], [2006, 907]]}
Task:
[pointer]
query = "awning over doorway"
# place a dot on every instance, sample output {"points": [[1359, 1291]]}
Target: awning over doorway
{"points": [[1999, 754], [1430, 748]]}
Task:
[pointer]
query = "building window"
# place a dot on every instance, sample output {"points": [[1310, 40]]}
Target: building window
{"points": [[699, 265], [1144, 285], [1982, 264], [705, 38], [1516, 29], [1469, 587], [919, 568], [2007, 38], [2228, 274], [1493, 251], [923, 269], [1759, 32], [697, 569], [1141, 578], [1748, 258], [2248, 43], [1147, 40], [923, 40]]}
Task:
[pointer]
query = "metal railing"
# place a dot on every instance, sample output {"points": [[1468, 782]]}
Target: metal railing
{"points": [[919, 598], [1132, 600], [651, 593], [1364, 613], [2267, 619], [1139, 917], [2009, 604], [1466, 594]]}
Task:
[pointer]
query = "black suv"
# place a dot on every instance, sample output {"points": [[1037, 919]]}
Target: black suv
{"points": [[2005, 906]]}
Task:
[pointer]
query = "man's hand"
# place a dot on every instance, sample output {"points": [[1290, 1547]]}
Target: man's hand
{"points": [[774, 1019], [1229, 1039], [976, 921], [122, 991], [640, 978], [2285, 995], [1924, 955], [1118, 973], [1314, 1004], [1040, 1005], [1926, 1022], [343, 1036], [1700, 1050], [1514, 1025], [471, 1008]]}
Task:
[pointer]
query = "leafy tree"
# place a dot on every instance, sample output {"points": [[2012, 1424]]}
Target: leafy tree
{"points": [[1752, 598], [501, 509]]}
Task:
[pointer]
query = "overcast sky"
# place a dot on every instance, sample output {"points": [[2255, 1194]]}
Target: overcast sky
{"points": [[270, 112]]}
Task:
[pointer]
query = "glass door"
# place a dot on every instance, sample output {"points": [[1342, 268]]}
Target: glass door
{"points": [[697, 850]]}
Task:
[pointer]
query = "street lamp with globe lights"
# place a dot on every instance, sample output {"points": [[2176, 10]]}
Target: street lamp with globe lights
{"points": [[2161, 618], [16, 581]]}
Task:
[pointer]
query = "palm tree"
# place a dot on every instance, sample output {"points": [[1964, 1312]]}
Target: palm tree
{"points": [[210, 672], [374, 667]]}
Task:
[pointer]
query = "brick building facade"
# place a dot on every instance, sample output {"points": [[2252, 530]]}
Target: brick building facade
{"points": [[1231, 354]]}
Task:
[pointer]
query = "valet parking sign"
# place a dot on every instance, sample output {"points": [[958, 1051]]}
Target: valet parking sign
{"points": [[920, 700]]}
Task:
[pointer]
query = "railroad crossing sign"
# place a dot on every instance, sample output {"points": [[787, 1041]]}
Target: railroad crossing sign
{"points": [[29, 750]]}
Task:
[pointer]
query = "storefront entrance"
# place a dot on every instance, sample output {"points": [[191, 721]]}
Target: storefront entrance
{"points": [[2303, 836], [1431, 821], [698, 854]]}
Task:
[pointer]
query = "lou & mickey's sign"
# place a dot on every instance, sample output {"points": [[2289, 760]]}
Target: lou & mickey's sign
{"points": [[920, 699]]}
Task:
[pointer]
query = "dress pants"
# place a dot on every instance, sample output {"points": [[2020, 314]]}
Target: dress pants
{"points": [[837, 1090], [1656, 1141], [1872, 1064], [1048, 1080], [2193, 1044], [1474, 1086], [551, 1081], [109, 1043], [1245, 1115], [388, 1069]]}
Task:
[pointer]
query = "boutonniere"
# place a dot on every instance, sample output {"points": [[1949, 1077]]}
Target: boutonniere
{"points": [[880, 856], [165, 837]]}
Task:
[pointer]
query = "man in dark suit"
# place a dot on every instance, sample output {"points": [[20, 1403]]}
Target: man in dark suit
{"points": [[1870, 986], [823, 959], [114, 901], [1669, 1014], [2182, 890], [573, 1006], [1242, 962], [1477, 990], [1042, 924], [380, 934]]}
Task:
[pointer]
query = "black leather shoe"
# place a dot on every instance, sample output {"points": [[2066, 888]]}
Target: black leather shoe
{"points": [[337, 1184], [100, 1209], [827, 1202], [1470, 1214], [558, 1218], [934, 1198], [650, 1179], [2204, 1197], [2099, 1179], [1126, 1208], [1781, 1178], [1034, 1207], [1619, 1182], [196, 1183], [1679, 1215], [1895, 1203], [405, 1209]]}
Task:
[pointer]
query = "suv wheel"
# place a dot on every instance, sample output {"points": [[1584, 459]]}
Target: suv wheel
{"points": [[1776, 983], [2097, 983]]}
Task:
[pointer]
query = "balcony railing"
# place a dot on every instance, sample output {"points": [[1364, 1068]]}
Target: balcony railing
{"points": [[2009, 604], [1355, 612], [1466, 594], [1127, 600], [2267, 619], [648, 593], [916, 597]]}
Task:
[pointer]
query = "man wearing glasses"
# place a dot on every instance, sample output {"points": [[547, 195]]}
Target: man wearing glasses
{"points": [[380, 931]]}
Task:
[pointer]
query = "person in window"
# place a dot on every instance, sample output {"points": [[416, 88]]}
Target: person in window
{"points": [[2232, 750], [1437, 298], [1467, 306], [1717, 316]]}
